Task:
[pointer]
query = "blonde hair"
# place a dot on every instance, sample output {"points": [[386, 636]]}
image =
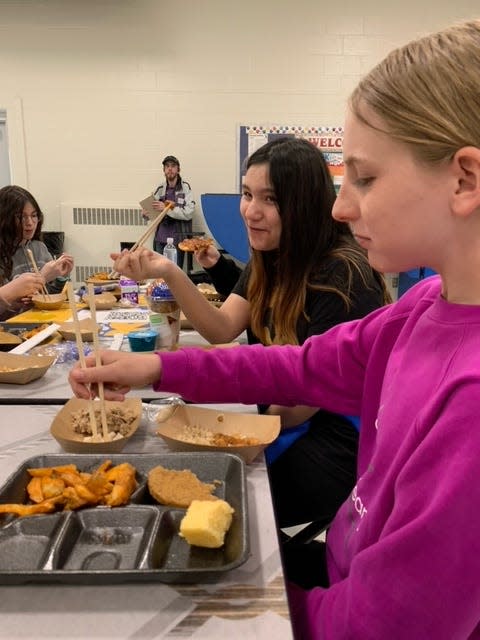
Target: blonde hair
{"points": [[428, 93]]}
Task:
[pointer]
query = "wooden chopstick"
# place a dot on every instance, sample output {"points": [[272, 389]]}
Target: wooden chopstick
{"points": [[64, 291], [81, 355], [148, 232], [46, 295], [152, 226], [98, 360]]}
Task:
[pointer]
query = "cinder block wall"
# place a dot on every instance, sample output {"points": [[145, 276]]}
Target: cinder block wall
{"points": [[97, 92]]}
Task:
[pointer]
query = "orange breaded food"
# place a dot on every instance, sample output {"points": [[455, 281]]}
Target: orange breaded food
{"points": [[66, 488], [195, 244], [178, 488]]}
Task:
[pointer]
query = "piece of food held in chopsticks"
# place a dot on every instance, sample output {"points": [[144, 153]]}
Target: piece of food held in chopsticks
{"points": [[66, 488], [195, 244]]}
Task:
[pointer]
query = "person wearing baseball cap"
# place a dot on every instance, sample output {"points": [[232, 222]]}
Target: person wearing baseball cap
{"points": [[177, 224]]}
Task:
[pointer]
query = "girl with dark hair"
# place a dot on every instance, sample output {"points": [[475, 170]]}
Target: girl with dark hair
{"points": [[21, 221], [306, 274]]}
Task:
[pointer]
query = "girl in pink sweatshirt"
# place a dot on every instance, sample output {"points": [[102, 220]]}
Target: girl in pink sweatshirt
{"points": [[403, 552]]}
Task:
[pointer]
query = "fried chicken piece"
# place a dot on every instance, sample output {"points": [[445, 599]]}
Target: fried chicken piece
{"points": [[178, 488]]}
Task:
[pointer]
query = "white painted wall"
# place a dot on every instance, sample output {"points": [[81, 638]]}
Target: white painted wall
{"points": [[98, 91]]}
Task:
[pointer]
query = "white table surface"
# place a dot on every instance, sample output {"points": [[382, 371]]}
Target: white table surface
{"points": [[247, 603]]}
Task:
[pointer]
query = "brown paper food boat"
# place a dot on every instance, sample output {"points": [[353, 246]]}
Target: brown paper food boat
{"points": [[72, 442], [264, 429], [21, 369]]}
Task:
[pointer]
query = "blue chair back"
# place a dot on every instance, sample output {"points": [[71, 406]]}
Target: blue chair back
{"points": [[222, 215]]}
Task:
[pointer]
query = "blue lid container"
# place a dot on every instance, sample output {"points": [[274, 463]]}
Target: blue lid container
{"points": [[142, 340], [159, 290]]}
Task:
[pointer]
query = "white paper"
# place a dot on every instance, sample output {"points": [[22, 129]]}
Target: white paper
{"points": [[36, 339], [146, 205]]}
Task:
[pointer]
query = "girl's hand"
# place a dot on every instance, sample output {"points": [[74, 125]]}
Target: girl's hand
{"points": [[119, 372], [142, 264], [207, 257], [23, 287], [60, 267]]}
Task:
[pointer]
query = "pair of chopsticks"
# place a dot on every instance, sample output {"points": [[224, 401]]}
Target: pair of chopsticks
{"points": [[152, 226], [46, 295], [148, 232], [81, 355]]}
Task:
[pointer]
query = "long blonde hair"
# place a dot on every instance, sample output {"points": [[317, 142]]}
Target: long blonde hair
{"points": [[428, 93]]}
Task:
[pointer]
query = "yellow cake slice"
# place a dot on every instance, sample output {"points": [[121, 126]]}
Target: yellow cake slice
{"points": [[206, 523]]}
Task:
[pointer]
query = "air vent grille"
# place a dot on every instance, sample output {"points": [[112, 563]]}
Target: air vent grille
{"points": [[103, 216]]}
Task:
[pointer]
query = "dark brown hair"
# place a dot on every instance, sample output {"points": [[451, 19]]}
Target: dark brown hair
{"points": [[310, 240], [12, 202]]}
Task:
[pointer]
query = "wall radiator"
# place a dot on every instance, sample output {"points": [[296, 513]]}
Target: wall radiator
{"points": [[92, 233]]}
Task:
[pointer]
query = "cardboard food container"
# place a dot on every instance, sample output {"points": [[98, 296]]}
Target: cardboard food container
{"points": [[21, 369], [87, 327], [264, 428], [209, 292], [72, 442], [52, 301], [103, 301], [9, 340]]}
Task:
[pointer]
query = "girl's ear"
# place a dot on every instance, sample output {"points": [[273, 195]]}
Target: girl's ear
{"points": [[466, 164]]}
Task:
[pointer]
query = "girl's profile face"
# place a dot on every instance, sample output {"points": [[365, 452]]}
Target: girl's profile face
{"points": [[259, 209], [28, 221], [396, 206]]}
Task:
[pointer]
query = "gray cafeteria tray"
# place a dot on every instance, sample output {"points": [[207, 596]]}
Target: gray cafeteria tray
{"points": [[137, 542]]}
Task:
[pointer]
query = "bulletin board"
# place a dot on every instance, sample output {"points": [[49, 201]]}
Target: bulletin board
{"points": [[328, 139]]}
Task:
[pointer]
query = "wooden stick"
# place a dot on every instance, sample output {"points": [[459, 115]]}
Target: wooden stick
{"points": [[64, 291], [152, 226], [46, 295], [98, 359], [81, 355], [148, 232]]}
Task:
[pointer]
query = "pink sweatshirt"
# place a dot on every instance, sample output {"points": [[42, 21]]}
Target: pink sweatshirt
{"points": [[403, 552]]}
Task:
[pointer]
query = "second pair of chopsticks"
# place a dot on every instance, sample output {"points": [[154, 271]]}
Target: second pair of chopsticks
{"points": [[46, 295], [148, 231], [81, 356]]}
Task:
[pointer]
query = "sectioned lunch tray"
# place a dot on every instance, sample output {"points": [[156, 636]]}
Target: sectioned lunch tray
{"points": [[138, 542]]}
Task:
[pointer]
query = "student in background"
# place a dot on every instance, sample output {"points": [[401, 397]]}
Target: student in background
{"points": [[306, 275], [177, 224], [21, 221], [403, 553]]}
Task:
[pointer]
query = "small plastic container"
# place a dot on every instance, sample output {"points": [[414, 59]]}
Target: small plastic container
{"points": [[159, 297], [160, 324], [161, 301], [142, 340]]}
